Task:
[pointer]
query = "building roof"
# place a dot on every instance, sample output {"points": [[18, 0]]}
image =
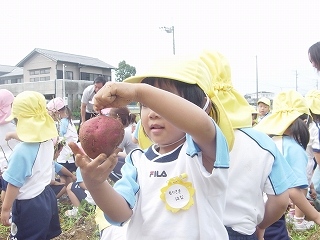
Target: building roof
{"points": [[66, 57], [6, 68], [15, 72]]}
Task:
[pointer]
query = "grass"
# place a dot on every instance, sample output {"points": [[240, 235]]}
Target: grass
{"points": [[311, 234]]}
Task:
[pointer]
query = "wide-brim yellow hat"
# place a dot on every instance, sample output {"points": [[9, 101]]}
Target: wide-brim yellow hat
{"points": [[313, 101], [287, 107], [236, 106], [34, 123], [190, 70]]}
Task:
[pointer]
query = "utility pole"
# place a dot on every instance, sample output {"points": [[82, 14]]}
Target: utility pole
{"points": [[257, 79]]}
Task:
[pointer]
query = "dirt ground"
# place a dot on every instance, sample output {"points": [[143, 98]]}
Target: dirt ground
{"points": [[83, 228]]}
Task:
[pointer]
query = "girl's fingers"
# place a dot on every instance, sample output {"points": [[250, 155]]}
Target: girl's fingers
{"points": [[76, 149]]}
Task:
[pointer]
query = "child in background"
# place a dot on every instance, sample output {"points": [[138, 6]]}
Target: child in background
{"points": [[176, 188], [33, 203], [127, 119], [77, 191], [67, 130], [287, 125], [251, 172], [314, 55], [6, 147], [263, 106], [313, 148], [57, 185]]}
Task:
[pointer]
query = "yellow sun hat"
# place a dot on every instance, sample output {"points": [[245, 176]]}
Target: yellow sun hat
{"points": [[190, 70], [34, 123], [236, 106], [265, 101], [313, 101], [287, 107]]}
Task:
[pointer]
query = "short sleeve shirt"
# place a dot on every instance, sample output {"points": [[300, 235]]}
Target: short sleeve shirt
{"points": [[87, 97]]}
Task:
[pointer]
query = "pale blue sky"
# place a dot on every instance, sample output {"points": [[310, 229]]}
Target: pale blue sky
{"points": [[278, 32]]}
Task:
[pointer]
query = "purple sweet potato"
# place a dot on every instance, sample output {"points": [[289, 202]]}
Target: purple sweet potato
{"points": [[100, 134]]}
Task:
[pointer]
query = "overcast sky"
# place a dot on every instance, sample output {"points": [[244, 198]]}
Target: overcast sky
{"points": [[278, 32]]}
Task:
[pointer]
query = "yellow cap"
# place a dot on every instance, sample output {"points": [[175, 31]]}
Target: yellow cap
{"points": [[192, 71], [236, 106], [34, 123], [287, 107], [313, 101], [265, 101]]}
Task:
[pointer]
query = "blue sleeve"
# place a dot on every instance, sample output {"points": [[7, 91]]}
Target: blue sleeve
{"points": [[222, 152], [57, 167], [20, 163], [297, 158], [127, 186], [79, 176], [63, 127]]}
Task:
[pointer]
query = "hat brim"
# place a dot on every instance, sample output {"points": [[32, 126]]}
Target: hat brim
{"points": [[277, 123]]}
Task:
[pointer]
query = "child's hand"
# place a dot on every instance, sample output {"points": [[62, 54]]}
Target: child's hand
{"points": [[5, 216], [96, 171], [114, 95], [313, 193], [10, 135]]}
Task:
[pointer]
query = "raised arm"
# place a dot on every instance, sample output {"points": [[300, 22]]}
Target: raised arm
{"points": [[172, 107]]}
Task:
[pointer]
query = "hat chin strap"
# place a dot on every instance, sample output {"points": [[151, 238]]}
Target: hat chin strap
{"points": [[170, 144], [206, 104]]}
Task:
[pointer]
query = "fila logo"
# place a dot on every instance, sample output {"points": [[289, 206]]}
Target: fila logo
{"points": [[157, 174]]}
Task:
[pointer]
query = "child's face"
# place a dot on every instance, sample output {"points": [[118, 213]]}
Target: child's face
{"points": [[263, 109], [159, 130]]}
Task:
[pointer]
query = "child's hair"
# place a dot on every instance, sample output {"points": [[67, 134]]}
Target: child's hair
{"points": [[315, 117], [314, 52], [191, 92], [124, 114], [69, 113], [299, 131]]}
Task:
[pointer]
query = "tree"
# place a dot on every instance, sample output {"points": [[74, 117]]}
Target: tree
{"points": [[124, 71]]}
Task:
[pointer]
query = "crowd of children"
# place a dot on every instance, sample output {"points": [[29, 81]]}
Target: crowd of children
{"points": [[201, 163]]}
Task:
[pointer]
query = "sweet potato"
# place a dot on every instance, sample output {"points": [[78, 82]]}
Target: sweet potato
{"points": [[100, 134]]}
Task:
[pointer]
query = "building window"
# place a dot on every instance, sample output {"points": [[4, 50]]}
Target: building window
{"points": [[36, 79], [39, 71], [92, 76], [44, 78], [69, 75]]}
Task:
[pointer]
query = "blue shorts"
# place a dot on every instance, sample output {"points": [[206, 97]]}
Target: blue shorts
{"points": [[56, 188], [36, 218], [78, 191], [234, 235], [70, 166], [277, 230]]}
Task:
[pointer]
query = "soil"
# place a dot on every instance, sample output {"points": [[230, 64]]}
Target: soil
{"points": [[83, 228]]}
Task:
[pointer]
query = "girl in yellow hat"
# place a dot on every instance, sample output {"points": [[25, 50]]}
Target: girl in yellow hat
{"points": [[176, 188], [28, 194], [287, 123], [256, 165]]}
